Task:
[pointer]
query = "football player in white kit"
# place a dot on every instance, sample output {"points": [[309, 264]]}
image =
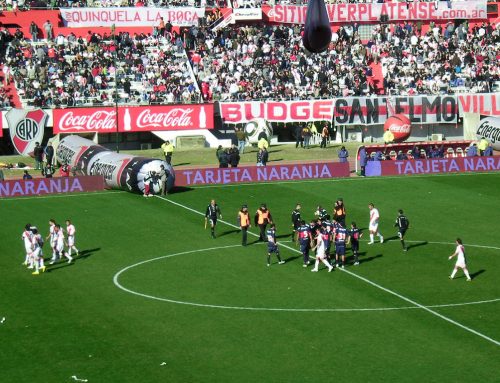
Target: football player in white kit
{"points": [[26, 237], [52, 237], [70, 229], [373, 225], [320, 252], [36, 254], [461, 262], [60, 244]]}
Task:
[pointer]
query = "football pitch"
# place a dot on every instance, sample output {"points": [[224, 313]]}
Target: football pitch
{"points": [[153, 298]]}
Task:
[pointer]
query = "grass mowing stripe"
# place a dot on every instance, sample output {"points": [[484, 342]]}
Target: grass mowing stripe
{"points": [[449, 320], [61, 196]]}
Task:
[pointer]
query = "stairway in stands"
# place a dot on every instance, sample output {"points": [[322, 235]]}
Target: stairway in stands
{"points": [[11, 91], [378, 77]]}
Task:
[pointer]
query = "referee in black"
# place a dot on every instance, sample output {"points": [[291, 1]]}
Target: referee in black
{"points": [[295, 221], [402, 223], [211, 214]]}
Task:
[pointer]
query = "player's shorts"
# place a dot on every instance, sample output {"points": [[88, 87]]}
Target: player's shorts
{"points": [[213, 221], [340, 248], [304, 246], [71, 240], [28, 249], [59, 247], [272, 248], [461, 262], [354, 245], [36, 253], [373, 227], [401, 232]]}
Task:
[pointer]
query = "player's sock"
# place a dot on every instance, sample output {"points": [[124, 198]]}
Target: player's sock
{"points": [[453, 273], [42, 262], [325, 262], [27, 259], [36, 266], [466, 272], [69, 251], [213, 231], [279, 258], [69, 257], [268, 259], [316, 264], [77, 251], [371, 237]]}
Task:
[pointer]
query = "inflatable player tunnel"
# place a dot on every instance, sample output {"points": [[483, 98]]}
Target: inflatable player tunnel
{"points": [[120, 171]]}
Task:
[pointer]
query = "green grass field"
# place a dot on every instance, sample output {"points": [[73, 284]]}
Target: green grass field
{"points": [[209, 310]]}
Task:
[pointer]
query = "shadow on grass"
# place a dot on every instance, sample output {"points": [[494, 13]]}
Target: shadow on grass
{"points": [[413, 245], [293, 257], [61, 264], [369, 259], [284, 236], [183, 163], [87, 253], [227, 232], [477, 273], [181, 189]]}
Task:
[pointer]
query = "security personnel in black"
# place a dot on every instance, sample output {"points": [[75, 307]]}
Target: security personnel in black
{"points": [[295, 221], [244, 223], [322, 214], [339, 212], [262, 219], [402, 224], [211, 214]]}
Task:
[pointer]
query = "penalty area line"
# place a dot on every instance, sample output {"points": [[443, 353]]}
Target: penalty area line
{"points": [[366, 280]]}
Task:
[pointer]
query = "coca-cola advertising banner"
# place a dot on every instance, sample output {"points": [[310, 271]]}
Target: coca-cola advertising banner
{"points": [[130, 17], [41, 186], [134, 119], [432, 166], [270, 173], [370, 12], [345, 110]]}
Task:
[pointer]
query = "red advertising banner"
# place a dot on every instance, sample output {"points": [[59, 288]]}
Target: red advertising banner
{"points": [[345, 110], [41, 186], [370, 12], [252, 174], [134, 118], [432, 166], [487, 104]]}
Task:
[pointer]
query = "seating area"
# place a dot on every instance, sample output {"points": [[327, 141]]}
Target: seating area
{"points": [[83, 72]]}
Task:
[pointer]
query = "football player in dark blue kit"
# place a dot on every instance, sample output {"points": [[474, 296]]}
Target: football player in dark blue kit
{"points": [[295, 221], [341, 236], [322, 214], [305, 240], [272, 246], [402, 224], [355, 235]]}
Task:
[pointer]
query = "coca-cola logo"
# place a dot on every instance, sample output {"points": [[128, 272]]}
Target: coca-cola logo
{"points": [[176, 117], [396, 128], [97, 121]]}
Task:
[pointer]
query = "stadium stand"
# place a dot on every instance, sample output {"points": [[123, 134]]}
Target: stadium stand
{"points": [[243, 62]]}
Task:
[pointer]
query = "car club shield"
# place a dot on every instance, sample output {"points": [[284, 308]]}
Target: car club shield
{"points": [[26, 128]]}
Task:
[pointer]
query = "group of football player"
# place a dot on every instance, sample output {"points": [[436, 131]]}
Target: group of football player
{"points": [[34, 241]]}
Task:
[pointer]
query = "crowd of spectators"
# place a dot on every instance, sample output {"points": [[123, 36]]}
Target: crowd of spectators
{"points": [[71, 71], [440, 61], [248, 62]]}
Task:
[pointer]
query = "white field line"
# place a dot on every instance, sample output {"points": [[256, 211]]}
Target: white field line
{"points": [[449, 320], [127, 268]]}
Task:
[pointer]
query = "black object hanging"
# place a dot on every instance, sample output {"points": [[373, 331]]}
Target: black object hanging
{"points": [[317, 32]]}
